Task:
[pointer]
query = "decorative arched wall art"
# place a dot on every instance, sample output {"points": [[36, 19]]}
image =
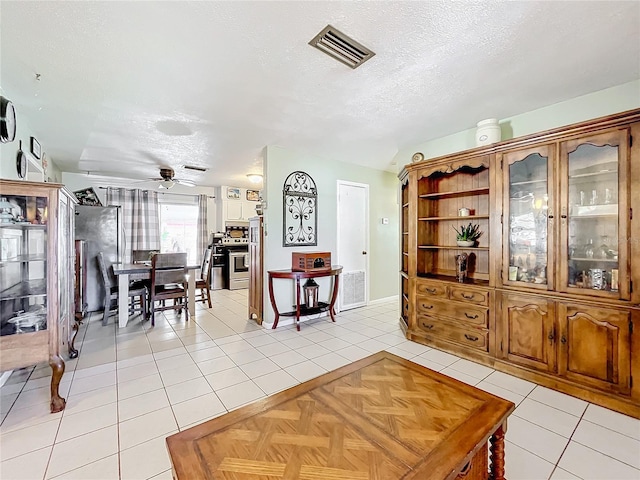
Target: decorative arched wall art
{"points": [[300, 210]]}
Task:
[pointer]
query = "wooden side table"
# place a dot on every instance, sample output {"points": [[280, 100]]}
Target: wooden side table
{"points": [[335, 271]]}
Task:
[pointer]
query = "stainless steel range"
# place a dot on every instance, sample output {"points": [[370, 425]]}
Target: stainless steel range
{"points": [[236, 243]]}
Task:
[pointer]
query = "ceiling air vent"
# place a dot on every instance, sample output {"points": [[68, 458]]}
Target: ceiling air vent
{"points": [[344, 49], [197, 169]]}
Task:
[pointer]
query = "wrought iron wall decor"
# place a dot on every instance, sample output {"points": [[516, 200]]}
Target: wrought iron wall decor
{"points": [[300, 210]]}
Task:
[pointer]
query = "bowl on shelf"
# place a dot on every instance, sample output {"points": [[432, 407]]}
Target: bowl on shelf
{"points": [[466, 243]]}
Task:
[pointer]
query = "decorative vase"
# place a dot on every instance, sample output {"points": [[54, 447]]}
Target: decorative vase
{"points": [[488, 132], [466, 243]]}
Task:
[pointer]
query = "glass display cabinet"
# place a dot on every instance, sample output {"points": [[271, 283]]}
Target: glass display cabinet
{"points": [[36, 277], [594, 215], [528, 217]]}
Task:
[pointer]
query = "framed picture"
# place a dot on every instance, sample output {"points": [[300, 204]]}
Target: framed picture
{"points": [[36, 150], [233, 193], [253, 195], [88, 197]]}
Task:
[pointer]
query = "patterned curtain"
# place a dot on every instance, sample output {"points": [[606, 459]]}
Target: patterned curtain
{"points": [[203, 238], [140, 218]]}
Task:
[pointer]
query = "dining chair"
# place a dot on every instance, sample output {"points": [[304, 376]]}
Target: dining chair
{"points": [[111, 291], [168, 282], [141, 256], [202, 283]]}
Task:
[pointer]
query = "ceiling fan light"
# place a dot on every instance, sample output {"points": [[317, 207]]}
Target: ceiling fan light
{"points": [[254, 177], [166, 183]]}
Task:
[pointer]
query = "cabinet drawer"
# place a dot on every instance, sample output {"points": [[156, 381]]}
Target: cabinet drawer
{"points": [[458, 312], [431, 289], [465, 336], [468, 295]]}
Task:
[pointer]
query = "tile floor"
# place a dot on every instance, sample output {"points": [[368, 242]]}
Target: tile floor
{"points": [[132, 387]]}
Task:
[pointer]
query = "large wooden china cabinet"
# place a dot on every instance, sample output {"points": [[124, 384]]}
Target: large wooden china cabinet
{"points": [[36, 277], [549, 292]]}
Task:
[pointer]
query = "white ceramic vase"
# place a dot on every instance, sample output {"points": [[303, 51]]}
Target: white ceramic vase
{"points": [[488, 132]]}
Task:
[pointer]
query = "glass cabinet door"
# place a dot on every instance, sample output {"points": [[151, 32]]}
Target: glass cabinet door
{"points": [[23, 264], [528, 217], [595, 215]]}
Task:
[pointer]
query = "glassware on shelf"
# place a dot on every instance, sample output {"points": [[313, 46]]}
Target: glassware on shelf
{"points": [[589, 249], [602, 251]]}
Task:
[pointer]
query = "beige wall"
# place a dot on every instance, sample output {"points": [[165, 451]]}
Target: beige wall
{"points": [[598, 104], [8, 151], [383, 266]]}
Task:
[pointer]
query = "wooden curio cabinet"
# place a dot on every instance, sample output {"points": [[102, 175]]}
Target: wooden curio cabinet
{"points": [[256, 270], [36, 277], [549, 293]]}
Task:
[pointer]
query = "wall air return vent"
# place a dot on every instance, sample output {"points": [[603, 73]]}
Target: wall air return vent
{"points": [[339, 46]]}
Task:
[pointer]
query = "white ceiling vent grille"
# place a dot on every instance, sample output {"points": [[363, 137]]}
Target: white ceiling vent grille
{"points": [[196, 168], [339, 46]]}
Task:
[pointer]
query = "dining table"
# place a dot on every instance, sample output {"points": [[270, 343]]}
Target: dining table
{"points": [[142, 271]]}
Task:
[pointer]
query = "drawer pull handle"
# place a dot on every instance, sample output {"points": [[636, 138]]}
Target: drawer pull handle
{"points": [[430, 290], [563, 339], [470, 337], [472, 317], [428, 307], [468, 297], [428, 327]]}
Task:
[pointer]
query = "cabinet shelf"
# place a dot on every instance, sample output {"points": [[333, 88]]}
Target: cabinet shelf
{"points": [[25, 259], [594, 174], [23, 226], [452, 218], [530, 182], [28, 288], [456, 193], [596, 260], [451, 247]]}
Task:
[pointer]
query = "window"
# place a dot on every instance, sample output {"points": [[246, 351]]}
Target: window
{"points": [[179, 229]]}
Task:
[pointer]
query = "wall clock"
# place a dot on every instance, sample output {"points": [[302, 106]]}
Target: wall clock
{"points": [[21, 163], [7, 121]]}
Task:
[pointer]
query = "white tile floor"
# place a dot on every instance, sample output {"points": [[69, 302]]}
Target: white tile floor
{"points": [[132, 387]]}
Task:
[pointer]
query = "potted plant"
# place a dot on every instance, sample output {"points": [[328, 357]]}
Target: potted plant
{"points": [[467, 235]]}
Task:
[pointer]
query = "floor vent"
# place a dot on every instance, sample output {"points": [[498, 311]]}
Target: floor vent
{"points": [[339, 46], [353, 290]]}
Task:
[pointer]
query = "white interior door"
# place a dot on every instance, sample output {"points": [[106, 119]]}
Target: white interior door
{"points": [[353, 243]]}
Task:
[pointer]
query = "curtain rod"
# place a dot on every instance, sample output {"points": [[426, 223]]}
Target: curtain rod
{"points": [[161, 193]]}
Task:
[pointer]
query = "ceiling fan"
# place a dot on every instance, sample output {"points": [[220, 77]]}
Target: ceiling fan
{"points": [[167, 179]]}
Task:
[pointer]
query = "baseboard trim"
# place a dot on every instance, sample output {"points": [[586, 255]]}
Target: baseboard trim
{"points": [[384, 300]]}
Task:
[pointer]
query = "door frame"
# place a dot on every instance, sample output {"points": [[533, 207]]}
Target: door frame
{"points": [[367, 227]]}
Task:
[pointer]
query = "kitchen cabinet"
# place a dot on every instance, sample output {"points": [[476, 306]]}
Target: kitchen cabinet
{"points": [[36, 278], [549, 292], [234, 209]]}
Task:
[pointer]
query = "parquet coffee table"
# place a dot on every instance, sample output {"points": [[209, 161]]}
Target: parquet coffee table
{"points": [[382, 417]]}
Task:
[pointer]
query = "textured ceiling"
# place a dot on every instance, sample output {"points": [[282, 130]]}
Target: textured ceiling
{"points": [[127, 87]]}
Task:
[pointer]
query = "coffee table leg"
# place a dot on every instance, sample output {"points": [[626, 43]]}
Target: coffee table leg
{"points": [[497, 453]]}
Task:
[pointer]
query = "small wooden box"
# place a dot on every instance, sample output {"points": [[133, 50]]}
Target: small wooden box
{"points": [[311, 261]]}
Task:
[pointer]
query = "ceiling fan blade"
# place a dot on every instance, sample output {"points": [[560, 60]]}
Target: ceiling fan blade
{"points": [[186, 183]]}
